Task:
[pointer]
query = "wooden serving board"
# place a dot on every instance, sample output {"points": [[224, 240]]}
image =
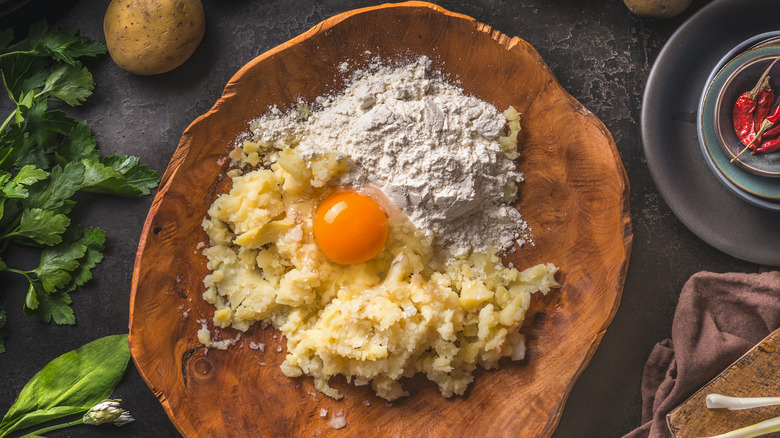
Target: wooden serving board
{"points": [[575, 198], [755, 374]]}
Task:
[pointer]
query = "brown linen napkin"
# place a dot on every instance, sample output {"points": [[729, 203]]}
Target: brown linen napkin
{"points": [[719, 317]]}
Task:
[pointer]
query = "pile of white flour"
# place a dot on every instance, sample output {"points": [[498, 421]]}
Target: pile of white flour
{"points": [[431, 149]]}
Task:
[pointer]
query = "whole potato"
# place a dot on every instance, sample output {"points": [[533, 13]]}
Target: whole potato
{"points": [[657, 8], [148, 37]]}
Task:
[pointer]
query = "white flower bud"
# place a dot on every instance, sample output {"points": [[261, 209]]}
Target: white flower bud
{"points": [[107, 411]]}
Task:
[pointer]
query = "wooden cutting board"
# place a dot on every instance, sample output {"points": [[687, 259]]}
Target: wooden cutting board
{"points": [[755, 374]]}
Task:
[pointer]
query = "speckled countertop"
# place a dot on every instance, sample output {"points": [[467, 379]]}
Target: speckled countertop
{"points": [[599, 52]]}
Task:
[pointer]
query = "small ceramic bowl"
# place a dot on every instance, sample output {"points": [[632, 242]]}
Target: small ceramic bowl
{"points": [[752, 178], [737, 77]]}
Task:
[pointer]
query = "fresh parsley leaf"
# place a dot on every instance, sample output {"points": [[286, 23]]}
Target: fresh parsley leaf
{"points": [[20, 149], [69, 83], [45, 126], [78, 145], [42, 227], [29, 175], [17, 187], [57, 43], [62, 269], [34, 290], [46, 157], [65, 45], [55, 192], [121, 176], [58, 262], [23, 73], [94, 239], [54, 306]]}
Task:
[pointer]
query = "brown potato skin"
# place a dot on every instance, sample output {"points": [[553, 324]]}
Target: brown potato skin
{"points": [[657, 8], [149, 37]]}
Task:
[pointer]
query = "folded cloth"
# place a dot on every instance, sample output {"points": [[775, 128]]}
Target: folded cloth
{"points": [[719, 317]]}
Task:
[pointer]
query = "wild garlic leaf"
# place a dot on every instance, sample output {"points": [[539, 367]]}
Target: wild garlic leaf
{"points": [[69, 83], [43, 227], [54, 193], [69, 384], [58, 262], [121, 176], [78, 145]]}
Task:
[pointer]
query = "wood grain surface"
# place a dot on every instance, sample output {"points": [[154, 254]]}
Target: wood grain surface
{"points": [[755, 374], [575, 198]]}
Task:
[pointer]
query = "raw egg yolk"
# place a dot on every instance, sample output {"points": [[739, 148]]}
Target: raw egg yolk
{"points": [[350, 228]]}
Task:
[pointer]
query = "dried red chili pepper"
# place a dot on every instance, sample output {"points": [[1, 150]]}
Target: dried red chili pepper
{"points": [[764, 101], [749, 107], [770, 141], [770, 133], [768, 123], [768, 146]]}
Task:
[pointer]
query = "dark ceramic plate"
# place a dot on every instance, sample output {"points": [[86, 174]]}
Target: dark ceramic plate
{"points": [[702, 203]]}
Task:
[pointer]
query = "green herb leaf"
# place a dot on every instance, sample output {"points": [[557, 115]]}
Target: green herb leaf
{"points": [[44, 126], [65, 45], [57, 43], [58, 262], [21, 149], [94, 239], [43, 227], [55, 192], [78, 145], [70, 384], [46, 157], [121, 176], [29, 175], [17, 187], [69, 83], [54, 306], [31, 301], [23, 74]]}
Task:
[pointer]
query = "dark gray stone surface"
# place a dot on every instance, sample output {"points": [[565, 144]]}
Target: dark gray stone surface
{"points": [[600, 53]]}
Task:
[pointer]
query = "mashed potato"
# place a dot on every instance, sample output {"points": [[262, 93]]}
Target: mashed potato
{"points": [[401, 313]]}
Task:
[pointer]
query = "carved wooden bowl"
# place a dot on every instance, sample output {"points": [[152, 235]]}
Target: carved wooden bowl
{"points": [[575, 198]]}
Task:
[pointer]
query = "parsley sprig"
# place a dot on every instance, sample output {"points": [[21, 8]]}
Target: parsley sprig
{"points": [[45, 158]]}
